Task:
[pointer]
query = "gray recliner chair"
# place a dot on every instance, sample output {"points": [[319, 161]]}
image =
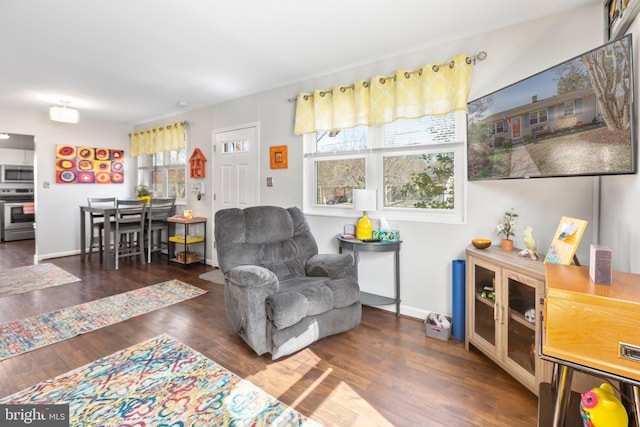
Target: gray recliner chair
{"points": [[280, 294]]}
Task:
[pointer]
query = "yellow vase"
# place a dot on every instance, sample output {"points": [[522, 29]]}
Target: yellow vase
{"points": [[364, 229]]}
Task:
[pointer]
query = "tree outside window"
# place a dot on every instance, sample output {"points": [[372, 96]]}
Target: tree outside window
{"points": [[164, 173], [414, 164]]}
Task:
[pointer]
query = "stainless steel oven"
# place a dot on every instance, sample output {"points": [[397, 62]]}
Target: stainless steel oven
{"points": [[17, 214], [13, 174]]}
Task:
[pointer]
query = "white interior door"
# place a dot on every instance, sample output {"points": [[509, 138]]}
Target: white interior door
{"points": [[236, 171]]}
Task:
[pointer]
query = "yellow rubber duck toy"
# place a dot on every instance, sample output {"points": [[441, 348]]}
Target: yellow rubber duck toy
{"points": [[599, 407]]}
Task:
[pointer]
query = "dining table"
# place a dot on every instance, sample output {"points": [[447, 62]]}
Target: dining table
{"points": [[108, 213]]}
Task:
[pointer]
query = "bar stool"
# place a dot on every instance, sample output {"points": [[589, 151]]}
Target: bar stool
{"points": [[129, 230], [159, 211], [97, 223]]}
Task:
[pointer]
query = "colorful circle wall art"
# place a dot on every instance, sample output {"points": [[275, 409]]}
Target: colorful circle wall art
{"points": [[85, 165], [117, 166], [66, 176], [102, 166], [86, 153], [86, 177], [66, 152], [65, 164], [103, 178], [102, 154], [88, 165]]}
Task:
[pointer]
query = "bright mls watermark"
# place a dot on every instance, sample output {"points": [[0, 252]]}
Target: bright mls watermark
{"points": [[34, 415]]}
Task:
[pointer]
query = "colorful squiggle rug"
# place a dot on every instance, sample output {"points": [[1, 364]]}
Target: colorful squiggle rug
{"points": [[33, 277], [160, 382], [20, 336]]}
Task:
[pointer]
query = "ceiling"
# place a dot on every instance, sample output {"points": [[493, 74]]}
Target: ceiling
{"points": [[132, 61]]}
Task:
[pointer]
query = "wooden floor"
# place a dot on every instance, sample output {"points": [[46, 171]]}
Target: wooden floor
{"points": [[384, 372]]}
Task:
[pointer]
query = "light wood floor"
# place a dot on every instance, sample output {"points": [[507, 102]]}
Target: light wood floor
{"points": [[384, 372]]}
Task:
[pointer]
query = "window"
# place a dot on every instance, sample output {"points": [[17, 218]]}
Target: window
{"points": [[419, 181], [537, 117], [415, 164], [336, 178], [498, 127], [235, 146], [164, 173], [337, 174], [569, 108]]}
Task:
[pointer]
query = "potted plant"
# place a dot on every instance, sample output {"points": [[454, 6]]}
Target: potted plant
{"points": [[142, 193], [507, 227]]}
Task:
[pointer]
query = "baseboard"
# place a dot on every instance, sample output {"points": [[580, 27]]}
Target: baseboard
{"points": [[37, 258], [405, 311], [56, 255]]}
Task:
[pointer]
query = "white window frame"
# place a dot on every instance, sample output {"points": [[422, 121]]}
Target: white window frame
{"points": [[309, 179], [144, 173], [447, 216], [498, 127], [374, 177], [569, 105], [537, 114]]}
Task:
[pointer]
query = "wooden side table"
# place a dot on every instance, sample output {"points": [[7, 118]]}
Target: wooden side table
{"points": [[591, 328]]}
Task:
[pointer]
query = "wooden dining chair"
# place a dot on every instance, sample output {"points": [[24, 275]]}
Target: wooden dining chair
{"points": [[96, 237], [129, 229], [159, 211]]}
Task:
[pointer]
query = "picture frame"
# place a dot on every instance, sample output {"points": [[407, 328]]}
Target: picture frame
{"points": [[565, 241], [619, 14], [349, 230], [89, 165], [278, 157]]}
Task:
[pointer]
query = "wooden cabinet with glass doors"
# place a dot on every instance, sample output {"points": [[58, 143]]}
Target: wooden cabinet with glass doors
{"points": [[504, 293]]}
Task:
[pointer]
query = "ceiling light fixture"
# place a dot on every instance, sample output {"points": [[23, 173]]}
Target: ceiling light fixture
{"points": [[63, 114], [4, 136]]}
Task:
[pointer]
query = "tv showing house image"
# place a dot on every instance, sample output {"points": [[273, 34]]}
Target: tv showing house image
{"points": [[575, 118]]}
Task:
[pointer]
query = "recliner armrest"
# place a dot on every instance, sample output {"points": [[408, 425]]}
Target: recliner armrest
{"points": [[334, 266], [245, 292], [252, 276]]}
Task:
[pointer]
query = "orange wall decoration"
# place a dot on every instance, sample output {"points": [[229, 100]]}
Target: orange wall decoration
{"points": [[196, 164], [278, 157]]}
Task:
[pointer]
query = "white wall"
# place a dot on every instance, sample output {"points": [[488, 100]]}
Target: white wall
{"points": [[620, 228], [57, 207], [428, 249]]}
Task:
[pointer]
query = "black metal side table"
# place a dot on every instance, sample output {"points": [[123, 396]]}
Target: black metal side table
{"points": [[357, 246]]}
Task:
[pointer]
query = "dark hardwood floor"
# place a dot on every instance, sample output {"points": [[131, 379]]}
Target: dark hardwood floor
{"points": [[384, 372]]}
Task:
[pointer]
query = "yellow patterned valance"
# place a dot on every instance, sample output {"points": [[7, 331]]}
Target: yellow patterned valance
{"points": [[157, 140], [432, 89]]}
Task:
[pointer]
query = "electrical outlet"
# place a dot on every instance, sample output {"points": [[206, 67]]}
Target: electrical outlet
{"points": [[269, 181]]}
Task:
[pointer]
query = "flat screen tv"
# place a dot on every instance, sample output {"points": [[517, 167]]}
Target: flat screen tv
{"points": [[573, 119]]}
